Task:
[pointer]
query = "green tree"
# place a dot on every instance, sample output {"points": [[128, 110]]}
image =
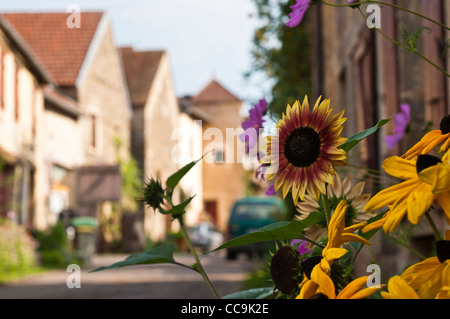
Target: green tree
{"points": [[282, 54]]}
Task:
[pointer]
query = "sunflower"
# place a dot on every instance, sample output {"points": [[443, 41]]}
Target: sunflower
{"points": [[318, 268], [431, 140], [427, 179], [428, 277], [302, 153], [339, 190]]}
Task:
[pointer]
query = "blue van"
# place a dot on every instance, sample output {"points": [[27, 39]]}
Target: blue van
{"points": [[248, 215]]}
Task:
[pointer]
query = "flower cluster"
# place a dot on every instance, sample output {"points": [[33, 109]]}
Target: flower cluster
{"points": [[340, 219]]}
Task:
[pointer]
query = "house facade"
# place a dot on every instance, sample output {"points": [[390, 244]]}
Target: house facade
{"points": [[82, 111], [155, 108], [367, 75], [223, 173]]}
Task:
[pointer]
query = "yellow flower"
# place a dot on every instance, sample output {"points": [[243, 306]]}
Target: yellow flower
{"points": [[399, 289], [430, 277], [339, 190], [431, 140], [302, 154], [427, 179], [319, 280], [444, 293], [352, 290]]}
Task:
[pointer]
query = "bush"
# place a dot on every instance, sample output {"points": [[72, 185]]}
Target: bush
{"points": [[17, 251], [53, 247]]}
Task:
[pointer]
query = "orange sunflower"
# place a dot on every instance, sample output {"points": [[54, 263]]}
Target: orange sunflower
{"points": [[302, 154]]}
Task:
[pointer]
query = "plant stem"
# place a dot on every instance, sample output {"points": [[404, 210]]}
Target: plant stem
{"points": [[326, 206], [433, 226], [413, 50], [199, 266], [410, 11], [304, 238]]}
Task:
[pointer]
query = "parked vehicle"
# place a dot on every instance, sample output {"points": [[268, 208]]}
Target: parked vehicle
{"points": [[205, 236], [248, 215]]}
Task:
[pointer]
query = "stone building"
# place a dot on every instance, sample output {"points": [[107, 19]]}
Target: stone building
{"points": [[223, 173], [85, 111], [21, 112], [155, 108], [367, 75]]}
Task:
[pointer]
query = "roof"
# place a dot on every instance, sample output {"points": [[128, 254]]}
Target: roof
{"points": [[140, 69], [35, 65], [62, 50], [214, 92]]}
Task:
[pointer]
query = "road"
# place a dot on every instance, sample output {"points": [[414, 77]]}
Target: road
{"points": [[164, 281]]}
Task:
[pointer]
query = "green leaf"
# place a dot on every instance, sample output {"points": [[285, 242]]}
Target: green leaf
{"points": [[276, 231], [159, 255], [178, 209], [355, 139], [255, 293], [174, 179]]}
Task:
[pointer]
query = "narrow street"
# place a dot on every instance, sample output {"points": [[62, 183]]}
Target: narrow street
{"points": [[162, 281]]}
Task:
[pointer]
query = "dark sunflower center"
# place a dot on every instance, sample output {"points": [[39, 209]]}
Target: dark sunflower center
{"points": [[443, 250], [425, 161], [284, 269], [445, 124], [302, 146]]}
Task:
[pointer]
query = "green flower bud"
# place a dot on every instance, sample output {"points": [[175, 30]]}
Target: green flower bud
{"points": [[153, 194]]}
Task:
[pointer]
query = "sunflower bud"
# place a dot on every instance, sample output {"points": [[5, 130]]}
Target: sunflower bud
{"points": [[284, 269], [153, 194]]}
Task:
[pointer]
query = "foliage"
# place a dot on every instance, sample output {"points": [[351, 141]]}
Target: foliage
{"points": [[17, 251], [131, 180], [282, 54], [53, 247]]}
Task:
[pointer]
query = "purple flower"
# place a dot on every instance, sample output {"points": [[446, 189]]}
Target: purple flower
{"points": [[271, 190], [401, 121], [253, 124], [298, 11], [301, 247], [350, 1]]}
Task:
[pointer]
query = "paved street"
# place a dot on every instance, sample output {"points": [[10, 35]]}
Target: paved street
{"points": [[143, 281]]}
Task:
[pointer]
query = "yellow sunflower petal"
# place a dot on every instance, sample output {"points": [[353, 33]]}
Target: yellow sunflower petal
{"points": [[400, 167], [418, 202], [395, 216], [425, 277], [438, 176], [399, 289], [326, 285], [308, 290], [352, 288], [334, 253], [428, 142]]}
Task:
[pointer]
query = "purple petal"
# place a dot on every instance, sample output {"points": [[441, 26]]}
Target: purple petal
{"points": [[270, 190], [298, 12], [392, 140]]}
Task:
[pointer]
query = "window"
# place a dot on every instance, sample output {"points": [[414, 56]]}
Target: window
{"points": [[16, 92], [93, 131]]}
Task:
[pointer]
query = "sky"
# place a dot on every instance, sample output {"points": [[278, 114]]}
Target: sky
{"points": [[204, 39]]}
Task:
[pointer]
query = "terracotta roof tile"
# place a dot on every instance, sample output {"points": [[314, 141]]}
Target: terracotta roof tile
{"points": [[214, 92], [59, 48], [140, 69]]}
